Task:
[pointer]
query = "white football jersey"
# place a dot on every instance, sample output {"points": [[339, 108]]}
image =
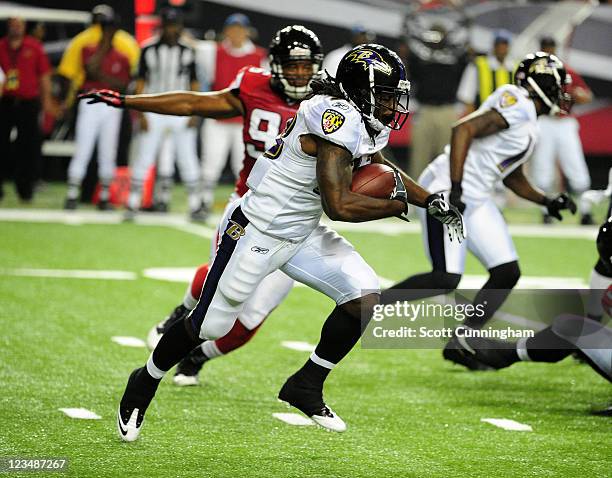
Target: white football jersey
{"points": [[494, 157], [283, 198]]}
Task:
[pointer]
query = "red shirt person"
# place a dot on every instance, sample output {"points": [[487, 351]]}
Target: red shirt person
{"points": [[218, 65], [559, 142], [26, 86]]}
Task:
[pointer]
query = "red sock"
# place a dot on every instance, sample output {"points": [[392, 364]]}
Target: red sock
{"points": [[237, 337], [197, 283]]}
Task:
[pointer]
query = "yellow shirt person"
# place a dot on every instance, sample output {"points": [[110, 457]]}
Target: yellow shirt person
{"points": [[72, 66]]}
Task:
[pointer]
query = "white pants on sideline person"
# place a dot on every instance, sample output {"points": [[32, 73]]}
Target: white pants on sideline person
{"points": [[172, 134], [559, 141], [219, 139], [96, 124]]}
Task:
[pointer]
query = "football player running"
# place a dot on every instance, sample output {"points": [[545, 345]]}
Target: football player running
{"points": [[486, 146], [276, 225], [266, 101]]}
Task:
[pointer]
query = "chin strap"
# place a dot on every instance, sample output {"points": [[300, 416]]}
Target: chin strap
{"points": [[368, 118], [553, 108]]}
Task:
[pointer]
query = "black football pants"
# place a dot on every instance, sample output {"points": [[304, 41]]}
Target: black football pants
{"points": [[24, 154]]}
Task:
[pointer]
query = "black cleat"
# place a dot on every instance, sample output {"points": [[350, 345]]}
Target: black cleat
{"points": [[200, 214], [130, 214], [606, 412], [308, 399], [160, 207], [494, 353], [139, 392], [179, 313], [188, 369], [71, 204], [587, 220], [458, 352], [105, 205]]}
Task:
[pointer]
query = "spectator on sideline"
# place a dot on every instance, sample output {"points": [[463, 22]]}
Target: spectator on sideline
{"points": [[104, 67], [559, 140], [218, 64], [71, 65], [435, 66], [359, 35], [167, 64], [26, 87], [486, 73]]}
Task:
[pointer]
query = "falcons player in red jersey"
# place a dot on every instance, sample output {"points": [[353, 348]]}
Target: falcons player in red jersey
{"points": [[266, 101]]}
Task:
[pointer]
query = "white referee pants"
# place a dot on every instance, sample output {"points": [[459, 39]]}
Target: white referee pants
{"points": [[179, 141], [95, 124], [218, 139], [324, 261], [183, 144], [559, 140]]}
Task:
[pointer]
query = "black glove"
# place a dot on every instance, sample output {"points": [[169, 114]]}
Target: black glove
{"points": [[447, 214], [562, 201], [400, 193], [110, 97], [455, 197]]}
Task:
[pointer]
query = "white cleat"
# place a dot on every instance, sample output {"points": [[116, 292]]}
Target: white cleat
{"points": [[181, 380], [130, 429], [329, 420]]}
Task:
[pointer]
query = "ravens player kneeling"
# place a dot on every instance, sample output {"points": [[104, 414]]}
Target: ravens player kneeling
{"points": [[587, 337]]}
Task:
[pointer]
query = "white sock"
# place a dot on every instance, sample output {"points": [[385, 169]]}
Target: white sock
{"points": [[210, 349], [194, 199], [521, 350], [189, 301], [74, 189], [321, 362], [135, 193], [105, 190], [153, 370]]}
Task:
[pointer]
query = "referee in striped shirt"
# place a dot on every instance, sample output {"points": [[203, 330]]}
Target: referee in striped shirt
{"points": [[167, 64]]}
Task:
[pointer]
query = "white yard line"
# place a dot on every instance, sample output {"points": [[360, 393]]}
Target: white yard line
{"points": [[128, 341], [508, 424], [299, 346], [80, 413], [70, 273], [387, 227], [170, 274]]}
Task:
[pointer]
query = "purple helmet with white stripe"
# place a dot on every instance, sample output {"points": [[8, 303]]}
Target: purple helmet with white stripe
{"points": [[373, 78]]}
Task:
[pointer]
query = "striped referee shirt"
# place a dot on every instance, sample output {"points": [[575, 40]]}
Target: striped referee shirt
{"points": [[166, 67]]}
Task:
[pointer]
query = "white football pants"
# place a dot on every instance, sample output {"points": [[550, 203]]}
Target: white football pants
{"points": [[488, 237], [218, 139], [245, 257]]}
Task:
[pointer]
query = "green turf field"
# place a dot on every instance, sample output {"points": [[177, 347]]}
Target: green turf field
{"points": [[409, 413]]}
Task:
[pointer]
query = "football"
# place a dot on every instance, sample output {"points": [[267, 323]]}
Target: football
{"points": [[375, 180]]}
